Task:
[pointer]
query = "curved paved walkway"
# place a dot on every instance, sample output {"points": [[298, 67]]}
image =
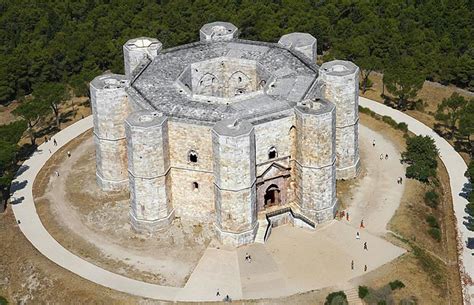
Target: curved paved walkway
{"points": [[31, 226], [456, 168]]}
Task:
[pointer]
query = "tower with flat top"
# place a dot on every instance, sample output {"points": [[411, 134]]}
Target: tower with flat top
{"points": [[242, 134]]}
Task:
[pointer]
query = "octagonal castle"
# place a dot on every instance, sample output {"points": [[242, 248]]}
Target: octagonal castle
{"points": [[243, 134]]}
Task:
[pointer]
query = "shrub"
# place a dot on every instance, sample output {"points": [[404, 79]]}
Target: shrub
{"points": [[363, 291], [389, 121], [402, 126], [3, 301], [336, 298], [432, 221], [396, 285], [421, 156], [432, 199], [435, 233], [382, 302]]}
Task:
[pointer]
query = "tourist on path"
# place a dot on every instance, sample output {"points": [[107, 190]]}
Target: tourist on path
{"points": [[386, 156], [373, 143], [365, 268], [362, 224], [365, 246], [69, 154], [218, 293], [55, 143], [381, 156], [357, 235], [352, 265], [347, 216]]}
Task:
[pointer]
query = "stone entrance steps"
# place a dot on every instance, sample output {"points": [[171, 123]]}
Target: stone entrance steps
{"points": [[262, 228], [353, 296]]}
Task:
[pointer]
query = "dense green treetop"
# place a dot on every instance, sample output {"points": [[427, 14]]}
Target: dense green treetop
{"points": [[72, 40]]}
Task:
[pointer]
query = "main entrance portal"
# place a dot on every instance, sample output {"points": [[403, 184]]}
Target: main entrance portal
{"points": [[272, 196]]}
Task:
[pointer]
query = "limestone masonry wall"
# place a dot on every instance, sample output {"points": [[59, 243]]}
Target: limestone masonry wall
{"points": [[226, 130], [148, 165], [341, 87], [110, 107], [315, 162]]}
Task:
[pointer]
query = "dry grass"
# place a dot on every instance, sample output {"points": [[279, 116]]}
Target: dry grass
{"points": [[431, 93]]}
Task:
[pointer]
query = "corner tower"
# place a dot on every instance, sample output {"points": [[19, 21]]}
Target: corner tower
{"points": [[341, 87], [148, 166], [137, 49], [110, 107], [302, 42], [233, 145], [315, 159]]}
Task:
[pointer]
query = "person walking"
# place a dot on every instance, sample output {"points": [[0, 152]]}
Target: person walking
{"points": [[365, 268], [69, 154], [373, 143], [357, 235], [347, 216], [386, 156], [381, 156], [362, 224], [352, 265], [365, 246], [55, 143], [218, 294]]}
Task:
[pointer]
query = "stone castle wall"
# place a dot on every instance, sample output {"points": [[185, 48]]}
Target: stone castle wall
{"points": [[110, 107], [220, 172], [341, 87], [315, 163]]}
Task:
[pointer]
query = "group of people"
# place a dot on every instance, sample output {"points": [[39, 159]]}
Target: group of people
{"points": [[382, 156]]}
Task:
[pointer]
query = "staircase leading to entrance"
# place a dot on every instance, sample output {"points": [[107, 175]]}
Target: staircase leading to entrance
{"points": [[262, 229], [353, 296]]}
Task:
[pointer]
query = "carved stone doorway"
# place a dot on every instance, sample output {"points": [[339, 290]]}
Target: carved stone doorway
{"points": [[272, 196]]}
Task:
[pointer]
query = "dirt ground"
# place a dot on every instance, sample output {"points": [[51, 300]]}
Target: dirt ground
{"points": [[27, 275], [73, 203]]}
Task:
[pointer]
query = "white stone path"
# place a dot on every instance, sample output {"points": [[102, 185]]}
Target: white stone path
{"points": [[456, 168], [31, 226]]}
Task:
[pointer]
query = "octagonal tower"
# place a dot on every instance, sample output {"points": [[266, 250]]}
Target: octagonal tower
{"points": [[148, 166], [315, 159], [110, 107], [233, 145], [341, 87], [137, 49], [304, 43]]}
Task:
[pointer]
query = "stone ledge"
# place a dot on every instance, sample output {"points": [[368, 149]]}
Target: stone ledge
{"points": [[236, 239], [349, 172], [111, 185], [151, 226]]}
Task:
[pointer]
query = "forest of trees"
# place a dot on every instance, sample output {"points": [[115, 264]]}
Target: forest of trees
{"points": [[72, 41]]}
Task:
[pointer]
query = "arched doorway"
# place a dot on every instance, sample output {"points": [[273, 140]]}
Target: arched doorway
{"points": [[272, 196]]}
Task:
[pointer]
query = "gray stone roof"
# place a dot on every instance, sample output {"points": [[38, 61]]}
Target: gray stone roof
{"points": [[293, 78]]}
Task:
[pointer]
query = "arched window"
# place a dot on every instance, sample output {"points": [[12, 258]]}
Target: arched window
{"points": [[192, 156], [272, 153], [195, 186]]}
